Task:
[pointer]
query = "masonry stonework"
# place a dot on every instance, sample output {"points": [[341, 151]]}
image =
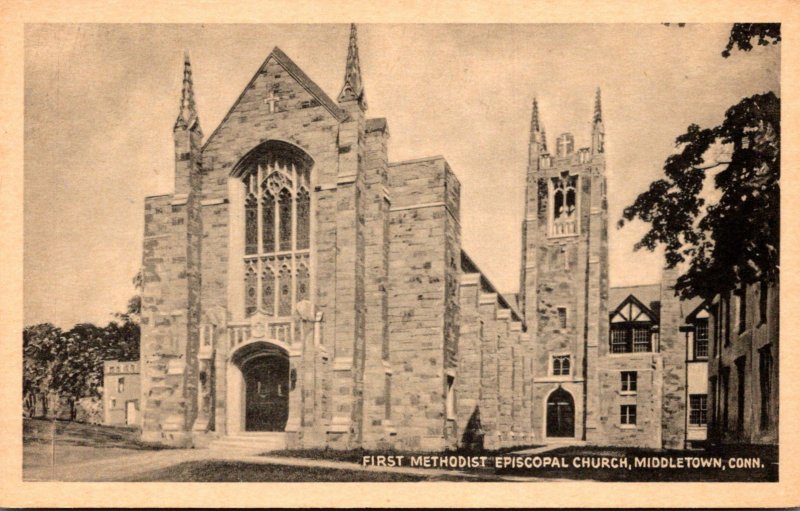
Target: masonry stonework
{"points": [[302, 289]]}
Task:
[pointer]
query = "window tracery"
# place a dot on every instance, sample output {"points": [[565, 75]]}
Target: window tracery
{"points": [[564, 212], [277, 233]]}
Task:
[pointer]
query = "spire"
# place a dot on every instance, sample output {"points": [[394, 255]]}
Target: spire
{"points": [[535, 117], [598, 131], [598, 114], [544, 140], [538, 142], [353, 89], [187, 113]]}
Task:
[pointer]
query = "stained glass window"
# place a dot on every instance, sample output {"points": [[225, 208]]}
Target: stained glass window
{"points": [[303, 219], [285, 211], [251, 226], [285, 290], [268, 291], [277, 187], [302, 283], [250, 291], [268, 222]]}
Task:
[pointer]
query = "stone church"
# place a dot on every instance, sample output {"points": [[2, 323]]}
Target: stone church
{"points": [[301, 290]]}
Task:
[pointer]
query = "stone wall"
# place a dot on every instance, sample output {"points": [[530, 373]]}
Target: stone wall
{"points": [[672, 344], [171, 300], [418, 294]]}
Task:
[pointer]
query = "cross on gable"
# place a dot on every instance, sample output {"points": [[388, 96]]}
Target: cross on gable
{"points": [[271, 100]]}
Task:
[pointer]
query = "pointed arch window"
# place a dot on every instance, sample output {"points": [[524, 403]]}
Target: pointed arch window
{"points": [[564, 210], [277, 228]]}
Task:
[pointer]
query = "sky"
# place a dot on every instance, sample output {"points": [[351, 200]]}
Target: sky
{"points": [[101, 100]]}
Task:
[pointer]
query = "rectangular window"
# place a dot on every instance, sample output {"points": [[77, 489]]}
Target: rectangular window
{"points": [[742, 309], [740, 389], [765, 381], [701, 339], [629, 382], [627, 415], [715, 393], [113, 403], [619, 340], [717, 313], [562, 317], [726, 324], [763, 295], [561, 365], [726, 390], [641, 339], [451, 397], [121, 385], [631, 338], [698, 409]]}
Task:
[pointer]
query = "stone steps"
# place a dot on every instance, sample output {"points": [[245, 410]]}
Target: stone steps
{"points": [[253, 443]]}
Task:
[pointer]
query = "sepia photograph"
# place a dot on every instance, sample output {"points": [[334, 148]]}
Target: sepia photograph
{"points": [[401, 252]]}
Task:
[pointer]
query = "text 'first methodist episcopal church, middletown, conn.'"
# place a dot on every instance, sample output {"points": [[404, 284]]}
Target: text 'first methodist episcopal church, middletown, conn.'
{"points": [[301, 290]]}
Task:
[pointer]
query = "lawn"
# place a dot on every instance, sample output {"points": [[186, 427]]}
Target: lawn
{"points": [[76, 443], [232, 471]]}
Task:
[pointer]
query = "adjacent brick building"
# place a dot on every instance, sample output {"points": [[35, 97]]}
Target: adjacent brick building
{"points": [[743, 366], [121, 393], [303, 290]]}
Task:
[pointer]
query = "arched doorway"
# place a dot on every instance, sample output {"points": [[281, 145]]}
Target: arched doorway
{"points": [[266, 394], [560, 414]]}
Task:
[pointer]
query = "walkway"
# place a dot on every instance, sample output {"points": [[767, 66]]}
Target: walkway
{"points": [[126, 467]]}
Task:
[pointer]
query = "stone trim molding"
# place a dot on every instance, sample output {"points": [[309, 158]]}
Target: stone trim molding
{"points": [[214, 202], [346, 180], [488, 299], [418, 206], [342, 364]]}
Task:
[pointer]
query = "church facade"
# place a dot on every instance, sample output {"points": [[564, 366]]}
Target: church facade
{"points": [[300, 286]]}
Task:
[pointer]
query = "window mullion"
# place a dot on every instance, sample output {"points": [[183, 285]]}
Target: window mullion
{"points": [[259, 240], [276, 236], [293, 270]]}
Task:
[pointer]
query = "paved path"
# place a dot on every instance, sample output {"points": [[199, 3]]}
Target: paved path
{"points": [[547, 448], [125, 467]]}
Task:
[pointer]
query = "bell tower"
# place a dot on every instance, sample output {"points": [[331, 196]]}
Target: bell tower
{"points": [[564, 276]]}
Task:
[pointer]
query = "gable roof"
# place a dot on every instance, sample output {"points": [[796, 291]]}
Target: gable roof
{"points": [[301, 78], [646, 294], [632, 309]]}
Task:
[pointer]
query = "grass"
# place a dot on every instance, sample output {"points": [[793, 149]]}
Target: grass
{"points": [[231, 471], [356, 455], [767, 454], [40, 431]]}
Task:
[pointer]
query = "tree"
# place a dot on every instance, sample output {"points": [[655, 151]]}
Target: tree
{"points": [[735, 239], [742, 35], [70, 364], [39, 349]]}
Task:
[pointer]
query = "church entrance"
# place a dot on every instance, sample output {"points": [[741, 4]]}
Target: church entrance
{"points": [[560, 414], [266, 393]]}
